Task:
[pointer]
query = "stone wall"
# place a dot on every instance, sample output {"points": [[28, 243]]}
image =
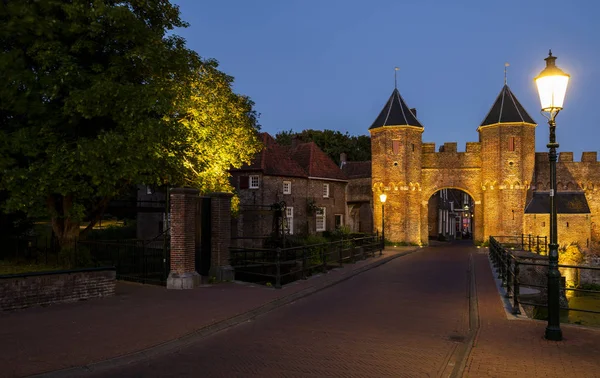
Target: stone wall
{"points": [[44, 288]]}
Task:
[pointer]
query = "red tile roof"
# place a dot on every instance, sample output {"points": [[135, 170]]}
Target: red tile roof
{"points": [[357, 169], [305, 160], [316, 162]]}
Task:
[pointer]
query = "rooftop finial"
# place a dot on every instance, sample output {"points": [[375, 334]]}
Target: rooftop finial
{"points": [[505, 66], [395, 77], [550, 52]]}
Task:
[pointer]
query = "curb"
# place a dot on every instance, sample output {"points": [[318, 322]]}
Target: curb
{"points": [[210, 329]]}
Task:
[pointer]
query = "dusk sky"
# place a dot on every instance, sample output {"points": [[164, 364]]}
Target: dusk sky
{"points": [[329, 64]]}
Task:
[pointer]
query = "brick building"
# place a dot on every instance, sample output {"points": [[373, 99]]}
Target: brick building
{"points": [[501, 173], [302, 176]]}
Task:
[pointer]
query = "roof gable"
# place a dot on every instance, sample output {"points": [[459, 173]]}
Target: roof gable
{"points": [[395, 113], [275, 160], [507, 109], [316, 162]]}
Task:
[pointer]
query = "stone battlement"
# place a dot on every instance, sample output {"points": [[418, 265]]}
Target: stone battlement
{"points": [[586, 157], [451, 147]]}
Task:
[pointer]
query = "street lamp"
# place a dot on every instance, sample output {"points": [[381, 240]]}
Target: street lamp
{"points": [[382, 198], [552, 86]]}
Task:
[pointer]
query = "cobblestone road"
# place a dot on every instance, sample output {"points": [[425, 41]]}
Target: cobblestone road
{"points": [[402, 319]]}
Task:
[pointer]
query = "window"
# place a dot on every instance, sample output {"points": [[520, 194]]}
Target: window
{"points": [[287, 187], [511, 143], [254, 182], [321, 211], [325, 190], [339, 220], [395, 146], [289, 220]]}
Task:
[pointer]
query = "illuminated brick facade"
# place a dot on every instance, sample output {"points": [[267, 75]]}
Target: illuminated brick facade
{"points": [[500, 173]]}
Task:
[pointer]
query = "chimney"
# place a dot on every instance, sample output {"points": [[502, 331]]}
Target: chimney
{"points": [[343, 158], [295, 141], [414, 111]]}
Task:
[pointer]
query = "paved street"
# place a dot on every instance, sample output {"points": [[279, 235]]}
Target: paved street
{"points": [[376, 324]]}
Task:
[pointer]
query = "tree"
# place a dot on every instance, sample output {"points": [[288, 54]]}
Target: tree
{"points": [[333, 143], [97, 97]]}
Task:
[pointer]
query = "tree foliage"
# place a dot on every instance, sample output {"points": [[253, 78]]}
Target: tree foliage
{"points": [[97, 96], [333, 143]]}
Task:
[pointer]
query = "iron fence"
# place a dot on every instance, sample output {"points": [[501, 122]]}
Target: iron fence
{"points": [[279, 266], [525, 242], [31, 249], [509, 266]]}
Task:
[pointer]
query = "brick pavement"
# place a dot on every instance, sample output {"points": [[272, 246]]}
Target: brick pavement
{"points": [[398, 320], [509, 347], [139, 317]]}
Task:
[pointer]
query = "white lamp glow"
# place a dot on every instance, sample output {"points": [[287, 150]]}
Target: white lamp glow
{"points": [[552, 85], [383, 197]]}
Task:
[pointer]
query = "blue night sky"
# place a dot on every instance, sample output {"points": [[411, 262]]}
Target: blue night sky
{"points": [[329, 64]]}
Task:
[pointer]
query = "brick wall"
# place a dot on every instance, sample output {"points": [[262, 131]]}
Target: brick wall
{"points": [[20, 291], [183, 230]]}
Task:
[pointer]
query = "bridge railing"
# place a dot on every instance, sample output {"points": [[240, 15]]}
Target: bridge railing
{"points": [[525, 242], [509, 266], [278, 266]]}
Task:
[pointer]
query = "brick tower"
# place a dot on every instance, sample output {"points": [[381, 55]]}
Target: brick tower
{"points": [[396, 169], [507, 138]]}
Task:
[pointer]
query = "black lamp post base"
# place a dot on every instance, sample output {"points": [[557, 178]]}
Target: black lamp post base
{"points": [[553, 333]]}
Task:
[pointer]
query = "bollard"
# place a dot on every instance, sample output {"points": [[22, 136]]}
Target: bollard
{"points": [[340, 250], [278, 272]]}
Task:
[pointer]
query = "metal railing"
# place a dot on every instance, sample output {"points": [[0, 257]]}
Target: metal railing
{"points": [[525, 242], [508, 267], [143, 261], [279, 266]]}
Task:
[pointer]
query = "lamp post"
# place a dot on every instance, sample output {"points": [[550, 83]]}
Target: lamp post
{"points": [[382, 198], [552, 86]]}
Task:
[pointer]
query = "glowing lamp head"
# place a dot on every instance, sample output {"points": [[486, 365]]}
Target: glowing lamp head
{"points": [[552, 85], [383, 197]]}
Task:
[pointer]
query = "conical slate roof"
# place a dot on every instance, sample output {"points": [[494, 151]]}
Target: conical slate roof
{"points": [[395, 113], [507, 109]]}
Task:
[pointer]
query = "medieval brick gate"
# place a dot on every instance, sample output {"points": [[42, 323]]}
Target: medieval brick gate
{"points": [[506, 179]]}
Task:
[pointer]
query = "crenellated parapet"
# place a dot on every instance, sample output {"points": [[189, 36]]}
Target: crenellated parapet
{"points": [[583, 175], [448, 157]]}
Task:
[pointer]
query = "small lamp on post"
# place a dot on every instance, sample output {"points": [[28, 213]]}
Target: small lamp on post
{"points": [[552, 86], [382, 198]]}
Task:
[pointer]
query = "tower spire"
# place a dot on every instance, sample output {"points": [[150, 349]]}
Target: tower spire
{"points": [[505, 66], [395, 77]]}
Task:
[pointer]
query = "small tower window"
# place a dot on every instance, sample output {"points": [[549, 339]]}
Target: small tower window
{"points": [[413, 147], [511, 143], [395, 146]]}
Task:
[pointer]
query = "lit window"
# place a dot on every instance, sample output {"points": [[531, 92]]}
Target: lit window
{"points": [[321, 211], [254, 182], [289, 220], [287, 187], [325, 190]]}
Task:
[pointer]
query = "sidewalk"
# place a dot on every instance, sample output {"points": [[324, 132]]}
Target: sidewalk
{"points": [[44, 339], [506, 346]]}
